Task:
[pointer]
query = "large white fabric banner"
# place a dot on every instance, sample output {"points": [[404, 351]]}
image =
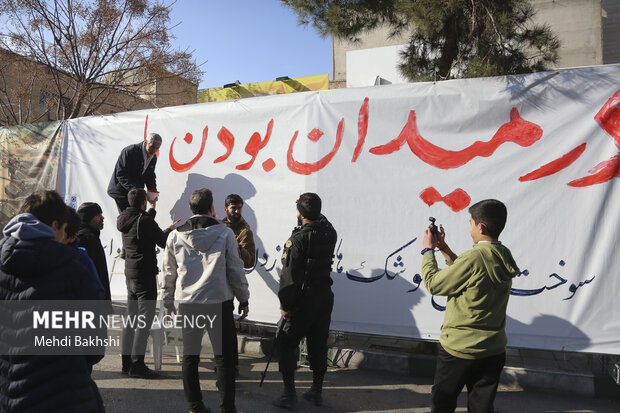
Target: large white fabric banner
{"points": [[384, 159]]}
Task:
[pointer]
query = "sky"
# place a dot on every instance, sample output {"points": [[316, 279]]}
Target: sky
{"points": [[248, 40]]}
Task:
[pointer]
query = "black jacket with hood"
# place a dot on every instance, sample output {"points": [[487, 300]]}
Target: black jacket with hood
{"points": [[34, 266], [90, 241], [140, 236]]}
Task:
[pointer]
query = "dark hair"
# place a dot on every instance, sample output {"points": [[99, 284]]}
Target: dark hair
{"points": [[73, 222], [88, 210], [201, 201], [136, 197], [46, 206], [233, 199], [309, 206], [492, 213]]}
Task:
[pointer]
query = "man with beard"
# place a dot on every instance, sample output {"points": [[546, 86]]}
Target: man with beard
{"points": [[241, 229], [135, 168], [306, 298], [91, 216]]}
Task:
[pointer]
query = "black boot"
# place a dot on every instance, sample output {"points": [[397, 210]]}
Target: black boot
{"points": [[314, 395], [288, 399], [126, 364], [139, 370]]}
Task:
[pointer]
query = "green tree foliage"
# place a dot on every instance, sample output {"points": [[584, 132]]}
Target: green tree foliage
{"points": [[449, 38], [71, 57]]}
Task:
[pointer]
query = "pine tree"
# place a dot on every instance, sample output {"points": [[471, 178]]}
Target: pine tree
{"points": [[449, 38]]}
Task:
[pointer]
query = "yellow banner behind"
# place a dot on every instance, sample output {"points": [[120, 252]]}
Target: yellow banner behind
{"points": [[272, 87]]}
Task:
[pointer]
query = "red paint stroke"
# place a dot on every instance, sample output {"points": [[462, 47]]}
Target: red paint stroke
{"points": [[255, 144], [456, 200], [362, 129], [146, 128], [182, 167], [308, 168], [602, 172], [556, 165], [228, 140], [609, 117], [268, 165], [518, 130]]}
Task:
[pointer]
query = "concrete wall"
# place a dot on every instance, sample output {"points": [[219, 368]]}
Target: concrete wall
{"points": [[578, 25], [376, 38], [588, 29], [611, 31]]}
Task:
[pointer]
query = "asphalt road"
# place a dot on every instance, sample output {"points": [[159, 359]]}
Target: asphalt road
{"points": [[346, 390]]}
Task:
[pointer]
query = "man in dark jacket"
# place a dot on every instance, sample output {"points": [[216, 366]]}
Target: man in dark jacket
{"points": [[140, 236], [35, 266], [91, 217], [306, 298], [135, 168]]}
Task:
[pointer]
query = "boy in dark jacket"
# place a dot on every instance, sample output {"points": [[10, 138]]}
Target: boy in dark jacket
{"points": [[34, 265], [140, 236]]}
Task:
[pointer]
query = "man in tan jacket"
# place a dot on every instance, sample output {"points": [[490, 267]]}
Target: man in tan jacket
{"points": [[241, 229]]}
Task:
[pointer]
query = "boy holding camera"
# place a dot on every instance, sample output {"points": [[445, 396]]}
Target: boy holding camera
{"points": [[472, 349]]}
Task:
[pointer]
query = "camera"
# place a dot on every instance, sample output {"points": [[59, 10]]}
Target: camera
{"points": [[433, 227]]}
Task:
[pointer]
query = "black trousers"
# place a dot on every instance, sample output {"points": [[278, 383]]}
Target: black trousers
{"points": [[122, 204], [311, 320], [141, 305], [480, 376], [225, 361]]}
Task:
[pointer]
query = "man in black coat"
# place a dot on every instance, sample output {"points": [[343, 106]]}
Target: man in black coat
{"points": [[135, 168], [306, 298], [140, 236], [34, 265], [91, 216]]}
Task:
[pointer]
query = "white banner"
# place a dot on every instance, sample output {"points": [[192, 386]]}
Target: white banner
{"points": [[384, 159]]}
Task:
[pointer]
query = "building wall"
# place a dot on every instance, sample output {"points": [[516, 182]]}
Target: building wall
{"points": [[611, 31], [588, 29], [376, 38], [175, 91], [578, 25], [16, 71]]}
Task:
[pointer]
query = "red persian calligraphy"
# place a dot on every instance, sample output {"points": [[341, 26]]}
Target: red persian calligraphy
{"points": [[255, 144], [609, 119], [182, 167], [602, 172], [228, 140], [555, 166], [518, 130], [456, 200], [308, 168], [362, 129]]}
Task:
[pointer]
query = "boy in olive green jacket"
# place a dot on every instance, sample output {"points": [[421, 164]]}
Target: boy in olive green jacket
{"points": [[472, 349]]}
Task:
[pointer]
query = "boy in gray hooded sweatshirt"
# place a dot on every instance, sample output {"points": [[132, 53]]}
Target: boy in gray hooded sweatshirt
{"points": [[202, 267]]}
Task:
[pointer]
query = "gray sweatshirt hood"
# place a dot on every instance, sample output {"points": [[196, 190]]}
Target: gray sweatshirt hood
{"points": [[202, 239]]}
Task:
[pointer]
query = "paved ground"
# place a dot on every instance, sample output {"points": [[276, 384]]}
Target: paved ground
{"points": [[346, 390]]}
